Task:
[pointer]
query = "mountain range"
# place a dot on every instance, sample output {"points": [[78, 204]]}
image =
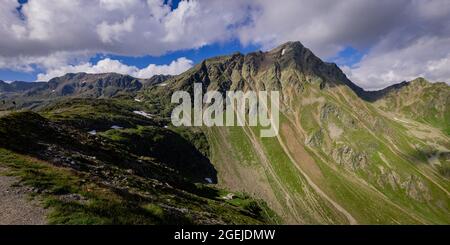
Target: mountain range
{"points": [[343, 155]]}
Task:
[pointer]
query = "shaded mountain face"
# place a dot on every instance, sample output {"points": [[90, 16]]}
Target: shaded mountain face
{"points": [[338, 158], [75, 85], [342, 156], [89, 85], [18, 86]]}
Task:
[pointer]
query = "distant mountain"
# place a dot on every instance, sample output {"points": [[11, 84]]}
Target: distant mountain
{"points": [[18, 86], [89, 85], [76, 85]]}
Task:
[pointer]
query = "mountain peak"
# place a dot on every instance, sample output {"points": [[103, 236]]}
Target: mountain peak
{"points": [[291, 49], [420, 81], [291, 45]]}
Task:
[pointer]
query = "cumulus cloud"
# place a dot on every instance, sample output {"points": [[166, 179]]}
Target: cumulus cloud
{"points": [[401, 39], [427, 57], [131, 27], [109, 33], [404, 38], [109, 65]]}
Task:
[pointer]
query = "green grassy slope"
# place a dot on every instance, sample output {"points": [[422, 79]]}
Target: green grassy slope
{"points": [[97, 179], [420, 100]]}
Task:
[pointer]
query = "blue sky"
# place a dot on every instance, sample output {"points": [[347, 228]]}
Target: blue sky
{"points": [[376, 43], [196, 55]]}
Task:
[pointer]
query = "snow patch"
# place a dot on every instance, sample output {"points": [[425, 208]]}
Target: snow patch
{"points": [[400, 120], [143, 113], [137, 100], [93, 132], [116, 127], [283, 51], [230, 196], [209, 180], [162, 84]]}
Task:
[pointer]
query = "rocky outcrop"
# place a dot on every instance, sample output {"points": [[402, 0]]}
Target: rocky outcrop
{"points": [[349, 158]]}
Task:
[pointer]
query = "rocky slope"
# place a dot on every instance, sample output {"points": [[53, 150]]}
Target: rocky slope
{"points": [[144, 174], [338, 159]]}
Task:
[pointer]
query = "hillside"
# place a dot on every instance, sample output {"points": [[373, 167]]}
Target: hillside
{"points": [[338, 159], [419, 100]]}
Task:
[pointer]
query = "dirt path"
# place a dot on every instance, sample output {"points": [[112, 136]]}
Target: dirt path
{"points": [[16, 208]]}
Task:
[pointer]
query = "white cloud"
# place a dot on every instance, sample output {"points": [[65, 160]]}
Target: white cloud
{"points": [[117, 4], [110, 33], [404, 38], [427, 57], [108, 65], [324, 26], [174, 68], [131, 27]]}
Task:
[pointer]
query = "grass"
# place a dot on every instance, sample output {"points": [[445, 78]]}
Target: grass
{"points": [[98, 113], [196, 137], [168, 148], [101, 205], [362, 201]]}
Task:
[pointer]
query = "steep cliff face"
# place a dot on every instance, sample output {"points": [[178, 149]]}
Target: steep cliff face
{"points": [[337, 159]]}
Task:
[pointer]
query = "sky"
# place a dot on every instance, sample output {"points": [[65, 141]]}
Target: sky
{"points": [[376, 43]]}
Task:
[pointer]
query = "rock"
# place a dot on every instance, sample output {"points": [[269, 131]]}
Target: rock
{"points": [[229, 196], [349, 158], [315, 139], [73, 197]]}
